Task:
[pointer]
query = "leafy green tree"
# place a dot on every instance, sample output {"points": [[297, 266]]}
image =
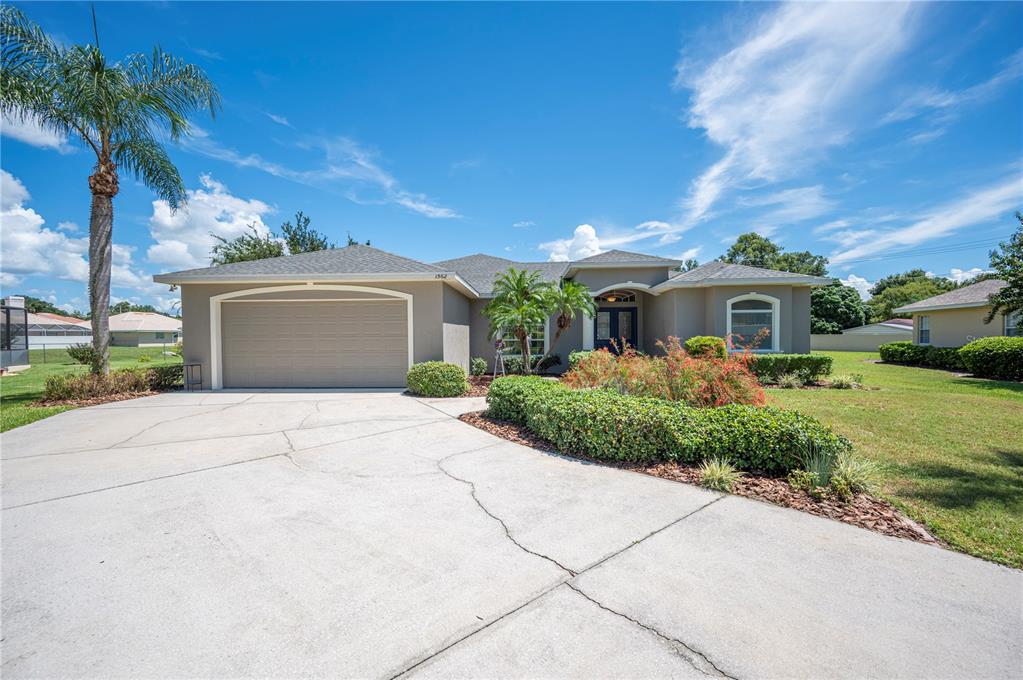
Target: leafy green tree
{"points": [[753, 250], [251, 246], [834, 308], [353, 242], [895, 280], [880, 307], [36, 306], [121, 111], [688, 265], [124, 306], [1007, 261], [301, 238]]}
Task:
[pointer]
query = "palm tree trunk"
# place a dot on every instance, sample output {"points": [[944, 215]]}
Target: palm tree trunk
{"points": [[527, 367], [101, 227]]}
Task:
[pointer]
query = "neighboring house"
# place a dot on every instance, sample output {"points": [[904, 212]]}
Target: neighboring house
{"points": [[864, 338], [955, 318], [56, 330], [144, 329], [359, 317]]}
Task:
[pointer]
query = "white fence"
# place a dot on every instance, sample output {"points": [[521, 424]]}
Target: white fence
{"points": [[57, 341]]}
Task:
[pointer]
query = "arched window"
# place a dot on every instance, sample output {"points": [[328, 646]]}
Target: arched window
{"points": [[617, 296], [753, 323]]}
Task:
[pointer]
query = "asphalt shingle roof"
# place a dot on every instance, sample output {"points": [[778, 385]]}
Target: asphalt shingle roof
{"points": [[975, 294], [480, 270], [625, 257], [723, 271], [354, 259]]}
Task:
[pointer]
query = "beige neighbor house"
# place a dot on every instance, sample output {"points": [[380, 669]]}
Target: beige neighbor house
{"points": [[865, 338], [955, 318], [359, 317], [144, 329]]}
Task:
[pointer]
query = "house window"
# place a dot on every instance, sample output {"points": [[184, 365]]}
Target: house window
{"points": [[924, 330], [617, 296], [537, 342], [753, 322], [1012, 328], [159, 336]]}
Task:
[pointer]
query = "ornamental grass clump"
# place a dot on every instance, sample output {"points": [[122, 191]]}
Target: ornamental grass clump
{"points": [[718, 474]]}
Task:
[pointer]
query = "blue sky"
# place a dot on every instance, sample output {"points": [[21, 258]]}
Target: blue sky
{"points": [[883, 136]]}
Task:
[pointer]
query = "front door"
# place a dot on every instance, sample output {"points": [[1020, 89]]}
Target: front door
{"points": [[614, 328]]}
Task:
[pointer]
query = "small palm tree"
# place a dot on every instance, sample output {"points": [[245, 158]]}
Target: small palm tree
{"points": [[120, 111], [567, 300], [521, 302]]}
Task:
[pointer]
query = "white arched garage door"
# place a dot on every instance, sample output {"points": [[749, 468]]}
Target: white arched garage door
{"points": [[336, 342]]}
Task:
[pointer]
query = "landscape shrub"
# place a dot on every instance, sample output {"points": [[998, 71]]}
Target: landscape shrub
{"points": [[718, 474], [706, 345], [999, 358], [575, 357], [810, 368], [163, 378], [513, 365], [700, 381], [905, 352], [843, 382], [789, 381], [608, 425], [437, 379], [86, 355], [77, 386], [478, 366], [853, 474]]}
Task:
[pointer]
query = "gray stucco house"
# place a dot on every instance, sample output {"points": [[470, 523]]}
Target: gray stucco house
{"points": [[359, 316]]}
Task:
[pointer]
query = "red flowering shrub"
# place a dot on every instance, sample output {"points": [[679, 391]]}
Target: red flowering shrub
{"points": [[702, 381]]}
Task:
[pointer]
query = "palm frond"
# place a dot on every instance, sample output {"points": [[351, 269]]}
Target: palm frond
{"points": [[148, 162]]}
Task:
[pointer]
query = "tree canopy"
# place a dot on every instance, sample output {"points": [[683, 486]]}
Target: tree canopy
{"points": [[35, 305], [1007, 261], [293, 239], [834, 308], [753, 250]]}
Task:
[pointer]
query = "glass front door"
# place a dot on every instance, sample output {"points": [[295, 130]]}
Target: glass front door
{"points": [[614, 328]]}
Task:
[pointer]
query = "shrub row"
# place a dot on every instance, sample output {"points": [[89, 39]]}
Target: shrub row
{"points": [[77, 386], [905, 352], [608, 425], [999, 358], [437, 379], [810, 368], [706, 345]]}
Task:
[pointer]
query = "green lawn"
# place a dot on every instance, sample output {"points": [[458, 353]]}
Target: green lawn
{"points": [[950, 448], [17, 392]]}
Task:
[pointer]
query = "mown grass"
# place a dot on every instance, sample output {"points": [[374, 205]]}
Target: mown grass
{"points": [[950, 447], [18, 392]]}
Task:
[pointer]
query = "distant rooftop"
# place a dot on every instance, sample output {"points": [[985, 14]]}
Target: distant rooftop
{"points": [[974, 295]]}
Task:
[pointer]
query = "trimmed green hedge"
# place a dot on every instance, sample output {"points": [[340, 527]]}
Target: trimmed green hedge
{"points": [[607, 425], [437, 379], [810, 368], [905, 352], [706, 345], [999, 358]]}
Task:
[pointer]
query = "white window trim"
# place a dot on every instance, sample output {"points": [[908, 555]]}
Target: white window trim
{"points": [[546, 340], [1005, 322], [775, 319], [216, 301], [918, 328]]}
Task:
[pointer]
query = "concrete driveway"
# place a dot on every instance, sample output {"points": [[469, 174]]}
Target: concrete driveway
{"points": [[370, 534]]}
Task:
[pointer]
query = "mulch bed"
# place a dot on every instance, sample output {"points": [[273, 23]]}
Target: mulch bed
{"points": [[96, 401], [862, 510], [479, 385]]}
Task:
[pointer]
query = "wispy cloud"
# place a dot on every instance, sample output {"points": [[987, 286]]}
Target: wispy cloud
{"points": [[280, 120], [29, 131], [524, 224], [790, 205], [779, 100], [978, 207], [208, 54], [347, 168], [585, 240], [466, 164]]}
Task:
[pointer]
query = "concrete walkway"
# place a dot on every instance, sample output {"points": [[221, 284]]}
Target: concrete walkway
{"points": [[370, 534]]}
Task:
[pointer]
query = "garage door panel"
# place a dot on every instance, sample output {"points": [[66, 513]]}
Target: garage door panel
{"points": [[315, 344]]}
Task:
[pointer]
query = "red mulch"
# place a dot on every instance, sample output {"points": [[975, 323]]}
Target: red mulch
{"points": [[479, 385], [96, 401], [862, 510]]}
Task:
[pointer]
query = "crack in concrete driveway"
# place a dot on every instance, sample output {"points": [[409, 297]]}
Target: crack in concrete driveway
{"points": [[320, 534]]}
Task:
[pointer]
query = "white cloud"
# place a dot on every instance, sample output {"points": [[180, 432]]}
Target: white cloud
{"points": [[980, 206], [280, 120], [183, 238], [960, 275], [831, 226], [69, 227], [779, 100], [28, 247], [584, 242], [347, 167], [524, 224], [29, 131], [791, 205], [861, 285], [688, 254]]}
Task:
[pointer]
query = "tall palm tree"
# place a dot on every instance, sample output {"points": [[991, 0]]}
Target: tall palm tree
{"points": [[521, 303], [121, 111], [567, 300]]}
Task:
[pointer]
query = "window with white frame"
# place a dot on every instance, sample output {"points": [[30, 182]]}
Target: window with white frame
{"points": [[753, 322], [1012, 324], [924, 330], [537, 342]]}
